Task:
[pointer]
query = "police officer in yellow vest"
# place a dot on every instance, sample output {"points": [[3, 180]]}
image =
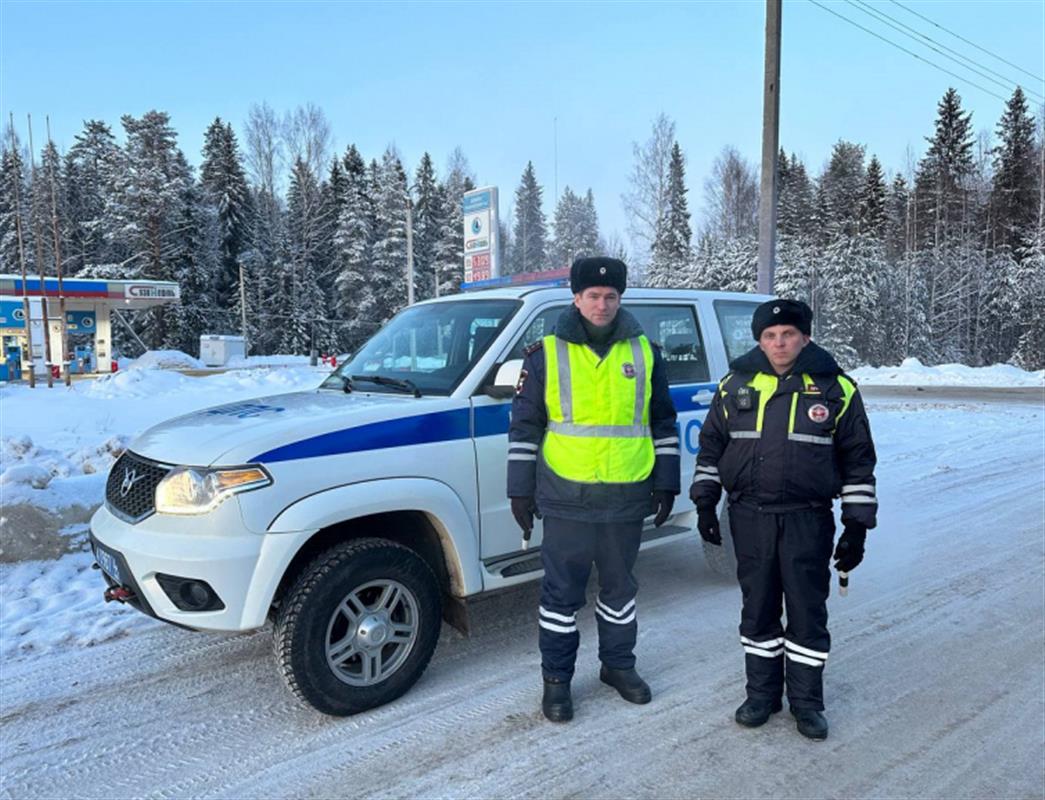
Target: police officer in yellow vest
{"points": [[786, 434], [593, 449]]}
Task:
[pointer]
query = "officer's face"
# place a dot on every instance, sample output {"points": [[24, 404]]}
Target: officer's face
{"points": [[598, 304], [782, 344]]}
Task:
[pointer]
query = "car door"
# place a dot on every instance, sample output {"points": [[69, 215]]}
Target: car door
{"points": [[676, 327], [500, 536]]}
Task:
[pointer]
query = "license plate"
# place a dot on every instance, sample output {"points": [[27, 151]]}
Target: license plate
{"points": [[107, 561]]}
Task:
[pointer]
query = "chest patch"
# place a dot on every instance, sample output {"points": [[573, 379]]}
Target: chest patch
{"points": [[628, 369], [819, 413]]}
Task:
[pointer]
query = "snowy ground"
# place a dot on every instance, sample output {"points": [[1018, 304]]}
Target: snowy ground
{"points": [[935, 687]]}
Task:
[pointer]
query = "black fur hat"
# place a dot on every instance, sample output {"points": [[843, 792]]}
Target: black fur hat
{"points": [[598, 271], [782, 312]]}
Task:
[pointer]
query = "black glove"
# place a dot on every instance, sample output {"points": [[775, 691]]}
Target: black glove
{"points": [[662, 503], [693, 494], [850, 550], [707, 524], [524, 509]]}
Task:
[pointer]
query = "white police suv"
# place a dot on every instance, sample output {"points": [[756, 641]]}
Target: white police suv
{"points": [[359, 515]]}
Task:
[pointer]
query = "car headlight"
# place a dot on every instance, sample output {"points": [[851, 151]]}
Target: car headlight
{"points": [[193, 490]]}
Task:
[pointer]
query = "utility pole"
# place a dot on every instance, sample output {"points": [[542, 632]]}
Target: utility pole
{"points": [[243, 309], [409, 252], [21, 258], [38, 239], [770, 148], [66, 355]]}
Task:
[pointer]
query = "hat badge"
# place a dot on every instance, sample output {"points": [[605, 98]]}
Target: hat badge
{"points": [[602, 270], [776, 309]]}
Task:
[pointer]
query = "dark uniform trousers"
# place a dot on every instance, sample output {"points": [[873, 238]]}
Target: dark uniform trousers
{"points": [[783, 562], [568, 549]]}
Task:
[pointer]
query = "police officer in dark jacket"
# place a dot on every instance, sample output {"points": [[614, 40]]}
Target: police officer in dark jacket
{"points": [[786, 433], [593, 449]]}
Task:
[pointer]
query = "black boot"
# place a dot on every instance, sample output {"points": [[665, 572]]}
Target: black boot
{"points": [[557, 703], [811, 723], [754, 713], [627, 681]]}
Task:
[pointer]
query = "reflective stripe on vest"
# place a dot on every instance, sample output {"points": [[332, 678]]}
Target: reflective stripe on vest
{"points": [[598, 411]]}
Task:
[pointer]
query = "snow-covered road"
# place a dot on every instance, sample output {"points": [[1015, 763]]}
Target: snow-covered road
{"points": [[935, 687]]}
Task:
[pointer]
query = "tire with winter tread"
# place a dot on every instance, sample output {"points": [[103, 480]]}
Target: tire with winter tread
{"points": [[300, 636]]}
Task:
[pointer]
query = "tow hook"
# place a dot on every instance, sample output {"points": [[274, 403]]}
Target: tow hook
{"points": [[120, 593]]}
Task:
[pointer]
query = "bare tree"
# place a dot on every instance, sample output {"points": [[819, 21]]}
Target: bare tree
{"points": [[265, 157], [731, 197], [645, 204], [307, 137]]}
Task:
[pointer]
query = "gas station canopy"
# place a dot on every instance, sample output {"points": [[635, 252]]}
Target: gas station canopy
{"points": [[89, 304]]}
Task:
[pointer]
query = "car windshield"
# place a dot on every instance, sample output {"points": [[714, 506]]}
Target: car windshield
{"points": [[431, 346]]}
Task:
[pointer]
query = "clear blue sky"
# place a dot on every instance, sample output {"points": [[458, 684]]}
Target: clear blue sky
{"points": [[492, 77]]}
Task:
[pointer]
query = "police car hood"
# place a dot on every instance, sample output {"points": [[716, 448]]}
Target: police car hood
{"points": [[278, 426]]}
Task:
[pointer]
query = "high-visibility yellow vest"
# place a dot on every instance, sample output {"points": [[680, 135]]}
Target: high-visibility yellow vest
{"points": [[598, 411]]}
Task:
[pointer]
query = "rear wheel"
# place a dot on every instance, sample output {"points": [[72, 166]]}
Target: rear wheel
{"points": [[358, 627]]}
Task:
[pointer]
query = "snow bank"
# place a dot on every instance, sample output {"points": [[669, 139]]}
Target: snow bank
{"points": [[48, 604], [913, 373], [56, 445], [164, 359]]}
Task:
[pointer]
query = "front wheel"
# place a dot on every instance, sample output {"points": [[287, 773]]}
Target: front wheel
{"points": [[358, 627]]}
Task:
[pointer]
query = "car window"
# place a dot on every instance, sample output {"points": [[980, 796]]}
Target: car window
{"points": [[433, 345], [542, 326], [734, 320], [675, 329]]}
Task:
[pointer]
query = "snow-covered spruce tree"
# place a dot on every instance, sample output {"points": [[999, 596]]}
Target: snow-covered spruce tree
{"points": [[263, 265], [354, 294], [849, 323], [143, 208], [1030, 349], [943, 215], [389, 248], [459, 179], [224, 186], [90, 168], [302, 308], [576, 228], [48, 174], [12, 186], [672, 247], [428, 225], [795, 203], [195, 263], [1015, 194], [530, 231]]}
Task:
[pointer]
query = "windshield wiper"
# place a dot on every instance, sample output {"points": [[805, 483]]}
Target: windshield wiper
{"points": [[395, 383]]}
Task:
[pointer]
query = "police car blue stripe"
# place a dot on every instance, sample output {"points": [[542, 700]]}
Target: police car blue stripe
{"points": [[682, 396], [492, 420], [441, 426]]}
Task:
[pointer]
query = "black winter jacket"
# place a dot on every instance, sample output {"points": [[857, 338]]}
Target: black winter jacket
{"points": [[809, 446], [590, 502]]}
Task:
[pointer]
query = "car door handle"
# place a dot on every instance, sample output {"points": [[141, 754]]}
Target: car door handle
{"points": [[703, 396]]}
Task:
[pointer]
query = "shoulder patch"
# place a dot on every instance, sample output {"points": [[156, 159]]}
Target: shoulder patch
{"points": [[533, 348]]}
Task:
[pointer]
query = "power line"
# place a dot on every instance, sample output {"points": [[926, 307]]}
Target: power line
{"points": [[885, 19], [958, 36], [909, 52]]}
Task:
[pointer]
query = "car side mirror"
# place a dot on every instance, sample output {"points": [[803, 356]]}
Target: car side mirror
{"points": [[505, 381]]}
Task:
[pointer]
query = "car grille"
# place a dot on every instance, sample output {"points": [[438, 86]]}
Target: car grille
{"points": [[130, 491]]}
